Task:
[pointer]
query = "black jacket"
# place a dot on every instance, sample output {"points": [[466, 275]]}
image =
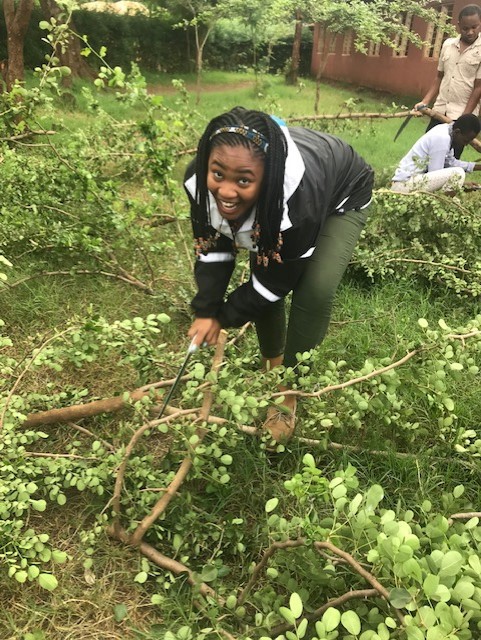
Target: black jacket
{"points": [[329, 178]]}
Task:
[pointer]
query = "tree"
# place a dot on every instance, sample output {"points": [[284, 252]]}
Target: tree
{"points": [[17, 18], [265, 23], [293, 72], [376, 21], [202, 16]]}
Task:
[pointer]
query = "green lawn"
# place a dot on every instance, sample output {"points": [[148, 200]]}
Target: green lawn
{"points": [[396, 431]]}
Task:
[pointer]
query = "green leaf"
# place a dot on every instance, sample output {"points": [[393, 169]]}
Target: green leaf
{"points": [[458, 491], [209, 573], [411, 568], [374, 496], [390, 622], [21, 576], [120, 612], [287, 615], [443, 594], [295, 603], [59, 556], [271, 504], [47, 581], [302, 628], [308, 461], [331, 619], [399, 598], [430, 584], [451, 563], [414, 633], [463, 589], [448, 403], [141, 577], [355, 504], [33, 572], [39, 505], [351, 622], [475, 563]]}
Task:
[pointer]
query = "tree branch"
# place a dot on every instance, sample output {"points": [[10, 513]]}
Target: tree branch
{"points": [[164, 562], [29, 364], [349, 383], [81, 272], [79, 411], [186, 464], [383, 592], [268, 553]]}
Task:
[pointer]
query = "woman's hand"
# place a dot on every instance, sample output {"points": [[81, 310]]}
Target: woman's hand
{"points": [[204, 330]]}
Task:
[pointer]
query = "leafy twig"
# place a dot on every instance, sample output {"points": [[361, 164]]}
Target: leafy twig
{"points": [[335, 602], [353, 381], [268, 553], [383, 592], [30, 364]]}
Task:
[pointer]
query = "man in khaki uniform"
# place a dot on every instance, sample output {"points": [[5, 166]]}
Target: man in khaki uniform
{"points": [[457, 86]]}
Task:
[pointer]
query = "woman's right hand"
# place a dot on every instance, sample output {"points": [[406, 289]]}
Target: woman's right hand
{"points": [[204, 330]]}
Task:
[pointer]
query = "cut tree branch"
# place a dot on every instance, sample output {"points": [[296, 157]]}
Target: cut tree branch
{"points": [[349, 383], [186, 464], [164, 562], [79, 411], [128, 452], [383, 592], [268, 553], [83, 272]]}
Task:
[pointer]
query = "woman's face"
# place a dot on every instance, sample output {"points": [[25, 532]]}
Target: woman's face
{"points": [[234, 177]]}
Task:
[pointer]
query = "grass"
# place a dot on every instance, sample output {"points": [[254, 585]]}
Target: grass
{"points": [[370, 320]]}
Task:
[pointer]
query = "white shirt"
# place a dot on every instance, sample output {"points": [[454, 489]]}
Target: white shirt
{"points": [[433, 151]]}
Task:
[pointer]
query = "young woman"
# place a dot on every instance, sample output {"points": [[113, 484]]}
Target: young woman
{"points": [[296, 199]]}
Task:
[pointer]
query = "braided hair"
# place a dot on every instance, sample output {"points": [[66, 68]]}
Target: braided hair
{"points": [[258, 132]]}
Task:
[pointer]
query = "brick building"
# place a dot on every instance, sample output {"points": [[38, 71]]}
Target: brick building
{"points": [[407, 71]]}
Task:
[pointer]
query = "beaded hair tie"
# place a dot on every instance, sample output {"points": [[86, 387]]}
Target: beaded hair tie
{"points": [[251, 134]]}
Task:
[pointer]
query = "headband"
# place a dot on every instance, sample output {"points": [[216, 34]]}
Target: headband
{"points": [[251, 134]]}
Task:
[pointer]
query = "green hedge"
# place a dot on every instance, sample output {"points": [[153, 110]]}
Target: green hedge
{"points": [[153, 43]]}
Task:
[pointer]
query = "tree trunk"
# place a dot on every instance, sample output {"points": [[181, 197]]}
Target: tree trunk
{"points": [[69, 56], [320, 69], [198, 63], [293, 73], [17, 20]]}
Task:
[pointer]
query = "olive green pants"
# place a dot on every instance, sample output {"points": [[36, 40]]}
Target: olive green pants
{"points": [[313, 296]]}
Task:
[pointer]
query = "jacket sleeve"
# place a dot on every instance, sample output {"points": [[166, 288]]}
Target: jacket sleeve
{"points": [[265, 286], [212, 272]]}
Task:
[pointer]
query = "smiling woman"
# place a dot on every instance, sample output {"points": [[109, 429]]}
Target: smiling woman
{"points": [[297, 201], [234, 179]]}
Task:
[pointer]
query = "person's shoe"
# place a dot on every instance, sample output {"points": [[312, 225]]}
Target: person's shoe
{"points": [[281, 422]]}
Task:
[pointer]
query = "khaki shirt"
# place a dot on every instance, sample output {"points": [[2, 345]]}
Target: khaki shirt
{"points": [[460, 71]]}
